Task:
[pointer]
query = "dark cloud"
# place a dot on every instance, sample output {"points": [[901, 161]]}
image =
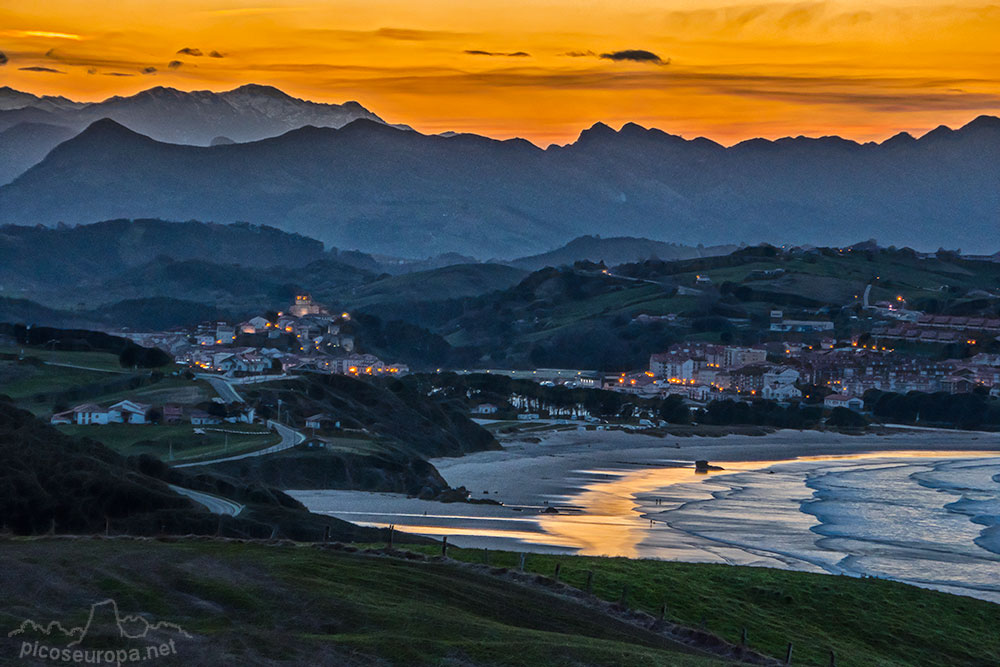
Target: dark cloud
{"points": [[3, 58], [188, 51], [117, 74], [148, 70], [635, 55], [580, 54], [216, 54], [51, 53], [41, 69], [174, 64], [512, 54], [91, 70]]}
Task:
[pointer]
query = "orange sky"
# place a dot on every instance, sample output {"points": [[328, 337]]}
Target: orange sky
{"points": [[726, 71]]}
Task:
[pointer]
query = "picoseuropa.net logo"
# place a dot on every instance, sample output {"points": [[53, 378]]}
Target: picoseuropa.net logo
{"points": [[107, 638]]}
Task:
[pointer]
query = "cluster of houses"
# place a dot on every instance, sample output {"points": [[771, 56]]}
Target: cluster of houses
{"points": [[305, 338], [133, 412], [778, 371], [938, 329], [705, 371]]}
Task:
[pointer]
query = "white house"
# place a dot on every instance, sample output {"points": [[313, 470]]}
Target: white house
{"points": [[485, 409], [90, 413], [781, 375], [199, 417], [255, 325], [128, 412], [844, 401], [780, 392]]}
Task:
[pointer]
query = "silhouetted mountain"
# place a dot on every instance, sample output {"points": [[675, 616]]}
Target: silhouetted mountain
{"points": [[25, 144], [246, 113], [200, 117], [402, 193], [15, 99], [615, 250], [35, 259]]}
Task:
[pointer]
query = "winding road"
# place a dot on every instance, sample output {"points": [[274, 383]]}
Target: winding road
{"points": [[214, 504], [289, 438], [223, 388]]}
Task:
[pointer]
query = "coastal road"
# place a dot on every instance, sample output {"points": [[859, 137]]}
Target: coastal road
{"points": [[222, 387], [214, 504], [289, 438]]}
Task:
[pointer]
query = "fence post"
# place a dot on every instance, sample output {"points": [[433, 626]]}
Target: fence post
{"points": [[833, 659], [486, 555], [521, 564], [590, 581], [743, 637], [392, 528], [444, 546], [326, 534], [663, 611], [788, 654], [625, 596], [558, 568]]}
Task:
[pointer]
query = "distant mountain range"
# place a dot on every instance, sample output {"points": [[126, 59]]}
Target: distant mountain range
{"points": [[616, 250], [368, 185], [339, 174], [31, 126]]}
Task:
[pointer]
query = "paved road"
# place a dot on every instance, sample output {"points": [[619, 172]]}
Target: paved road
{"points": [[289, 438], [215, 504], [222, 387]]}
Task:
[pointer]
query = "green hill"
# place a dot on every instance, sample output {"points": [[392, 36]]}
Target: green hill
{"points": [[450, 282]]}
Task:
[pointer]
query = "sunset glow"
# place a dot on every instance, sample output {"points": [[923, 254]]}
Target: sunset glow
{"points": [[540, 70]]}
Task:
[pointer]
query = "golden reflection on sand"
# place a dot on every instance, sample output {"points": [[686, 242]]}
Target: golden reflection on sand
{"points": [[609, 523]]}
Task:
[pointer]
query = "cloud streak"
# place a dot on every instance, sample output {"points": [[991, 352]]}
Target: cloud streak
{"points": [[636, 56], [501, 54], [47, 70], [42, 34]]}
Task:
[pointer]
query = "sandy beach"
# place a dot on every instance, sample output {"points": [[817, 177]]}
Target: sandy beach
{"points": [[614, 493]]}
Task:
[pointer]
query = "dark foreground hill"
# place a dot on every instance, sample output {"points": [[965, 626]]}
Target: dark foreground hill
{"points": [[278, 603], [402, 193], [53, 483]]}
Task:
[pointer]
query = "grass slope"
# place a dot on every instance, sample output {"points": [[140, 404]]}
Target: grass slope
{"points": [[450, 282], [268, 605], [864, 621]]}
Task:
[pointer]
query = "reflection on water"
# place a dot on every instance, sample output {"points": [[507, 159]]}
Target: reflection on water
{"points": [[614, 516], [925, 517]]}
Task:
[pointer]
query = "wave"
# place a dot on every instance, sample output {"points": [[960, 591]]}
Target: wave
{"points": [[930, 522]]}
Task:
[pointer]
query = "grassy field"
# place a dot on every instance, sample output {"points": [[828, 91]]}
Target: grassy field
{"points": [[864, 621], [180, 439], [36, 387], [22, 381], [253, 603], [257, 604], [103, 361]]}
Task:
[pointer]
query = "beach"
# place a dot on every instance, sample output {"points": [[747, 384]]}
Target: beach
{"points": [[914, 505]]}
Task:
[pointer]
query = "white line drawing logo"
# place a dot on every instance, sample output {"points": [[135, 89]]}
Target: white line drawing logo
{"points": [[110, 622]]}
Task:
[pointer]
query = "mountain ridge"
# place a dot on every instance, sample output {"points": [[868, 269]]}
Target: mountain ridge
{"points": [[403, 193]]}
